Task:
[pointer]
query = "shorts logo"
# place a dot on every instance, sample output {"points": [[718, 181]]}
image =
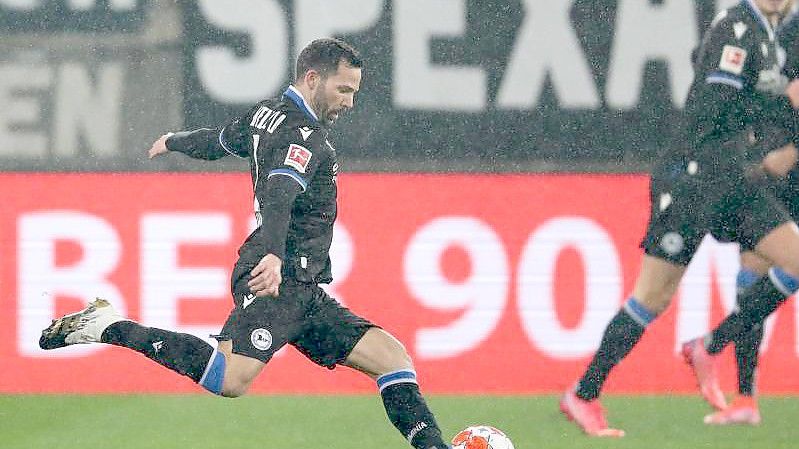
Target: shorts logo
{"points": [[305, 132], [665, 201], [672, 243], [298, 157], [261, 339], [248, 299]]}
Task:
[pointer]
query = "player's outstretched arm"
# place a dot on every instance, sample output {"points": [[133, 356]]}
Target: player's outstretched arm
{"points": [[204, 143]]}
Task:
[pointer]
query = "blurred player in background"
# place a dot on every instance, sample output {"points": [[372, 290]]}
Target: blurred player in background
{"points": [[275, 283], [774, 146], [707, 189]]}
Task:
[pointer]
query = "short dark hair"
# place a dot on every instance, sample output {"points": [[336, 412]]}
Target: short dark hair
{"points": [[324, 55]]}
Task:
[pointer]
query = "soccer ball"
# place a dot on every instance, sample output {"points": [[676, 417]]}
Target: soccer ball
{"points": [[481, 437]]}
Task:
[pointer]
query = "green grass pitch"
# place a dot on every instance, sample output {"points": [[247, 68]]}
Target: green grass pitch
{"points": [[351, 422]]}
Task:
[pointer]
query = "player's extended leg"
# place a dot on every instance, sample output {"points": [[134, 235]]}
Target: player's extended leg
{"points": [[217, 370], [781, 245], [656, 284], [747, 344], [382, 357], [743, 409]]}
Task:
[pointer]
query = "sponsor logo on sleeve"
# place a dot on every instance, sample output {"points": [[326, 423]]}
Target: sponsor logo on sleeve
{"points": [[732, 59], [298, 157]]}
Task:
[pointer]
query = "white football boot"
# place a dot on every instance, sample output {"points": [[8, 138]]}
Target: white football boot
{"points": [[86, 326]]}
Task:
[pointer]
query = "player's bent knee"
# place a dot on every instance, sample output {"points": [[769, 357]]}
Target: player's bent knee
{"points": [[239, 372], [235, 387], [234, 391], [237, 382]]}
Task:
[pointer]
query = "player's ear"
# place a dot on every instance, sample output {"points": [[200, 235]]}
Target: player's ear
{"points": [[312, 78]]}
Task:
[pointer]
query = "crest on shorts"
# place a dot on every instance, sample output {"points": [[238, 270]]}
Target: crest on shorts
{"points": [[672, 243], [261, 339]]}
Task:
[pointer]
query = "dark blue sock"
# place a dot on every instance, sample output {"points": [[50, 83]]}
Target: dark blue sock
{"points": [[621, 335], [182, 353], [408, 411], [754, 305]]}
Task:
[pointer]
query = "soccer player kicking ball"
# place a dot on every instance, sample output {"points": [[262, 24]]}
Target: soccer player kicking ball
{"points": [[275, 283], [706, 188]]}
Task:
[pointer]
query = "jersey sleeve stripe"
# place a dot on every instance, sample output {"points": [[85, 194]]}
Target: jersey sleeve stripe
{"points": [[291, 174], [725, 78], [225, 147]]}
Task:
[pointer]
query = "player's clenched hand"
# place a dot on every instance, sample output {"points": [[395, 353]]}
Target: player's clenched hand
{"points": [[266, 276], [159, 146]]}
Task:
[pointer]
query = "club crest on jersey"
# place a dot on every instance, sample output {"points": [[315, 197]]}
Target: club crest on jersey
{"points": [[732, 59], [298, 157]]}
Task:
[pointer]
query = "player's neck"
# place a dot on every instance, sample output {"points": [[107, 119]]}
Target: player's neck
{"points": [[305, 96]]}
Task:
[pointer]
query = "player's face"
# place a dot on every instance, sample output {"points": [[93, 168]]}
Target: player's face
{"points": [[336, 93], [769, 7]]}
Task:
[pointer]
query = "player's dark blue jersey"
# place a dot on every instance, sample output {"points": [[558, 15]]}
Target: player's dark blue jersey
{"points": [[281, 137], [738, 79], [768, 132]]}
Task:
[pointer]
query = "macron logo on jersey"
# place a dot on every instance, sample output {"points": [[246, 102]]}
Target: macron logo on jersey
{"points": [[305, 132], [298, 157], [249, 299], [739, 28]]}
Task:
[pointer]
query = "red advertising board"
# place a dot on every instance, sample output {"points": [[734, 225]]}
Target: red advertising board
{"points": [[495, 283]]}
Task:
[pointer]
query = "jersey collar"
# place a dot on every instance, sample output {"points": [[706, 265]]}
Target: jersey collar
{"points": [[755, 11], [294, 95]]}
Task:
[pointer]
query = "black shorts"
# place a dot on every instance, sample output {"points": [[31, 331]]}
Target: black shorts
{"points": [[303, 315], [686, 207]]}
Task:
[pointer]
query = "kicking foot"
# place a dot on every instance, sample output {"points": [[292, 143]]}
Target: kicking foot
{"points": [[704, 367], [588, 415], [86, 326]]}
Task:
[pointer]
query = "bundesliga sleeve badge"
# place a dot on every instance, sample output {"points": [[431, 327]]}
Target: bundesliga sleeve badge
{"points": [[298, 157], [732, 59]]}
